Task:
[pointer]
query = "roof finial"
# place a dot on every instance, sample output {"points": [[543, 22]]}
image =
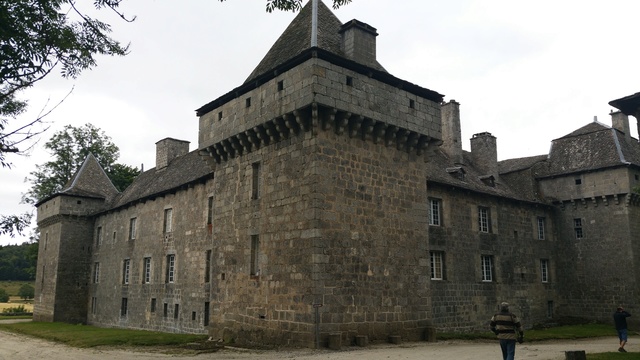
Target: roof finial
{"points": [[314, 23]]}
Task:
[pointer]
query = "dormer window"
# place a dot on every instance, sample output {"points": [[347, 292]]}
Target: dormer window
{"points": [[457, 172], [488, 180]]}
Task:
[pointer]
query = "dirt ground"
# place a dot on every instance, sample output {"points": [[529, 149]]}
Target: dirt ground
{"points": [[19, 347]]}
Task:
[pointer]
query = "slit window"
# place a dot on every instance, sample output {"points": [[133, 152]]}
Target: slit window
{"points": [[255, 248]]}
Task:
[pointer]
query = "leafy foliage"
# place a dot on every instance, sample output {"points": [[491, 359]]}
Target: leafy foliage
{"points": [[69, 148], [26, 292], [18, 262], [36, 36], [295, 5], [4, 296], [14, 224]]}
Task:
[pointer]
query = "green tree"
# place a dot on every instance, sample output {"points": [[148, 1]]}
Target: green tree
{"points": [[36, 36], [69, 148], [295, 5], [4, 296], [26, 292]]}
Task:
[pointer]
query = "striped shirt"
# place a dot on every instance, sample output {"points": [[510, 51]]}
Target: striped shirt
{"points": [[506, 326]]}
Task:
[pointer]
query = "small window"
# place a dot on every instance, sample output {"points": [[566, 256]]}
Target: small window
{"points": [[484, 219], [114, 237], [171, 263], [206, 313], [210, 211], [165, 310], [220, 116], [577, 226], [153, 305], [146, 266], [434, 212], [255, 180], [255, 248], [176, 311], [46, 240], [94, 305], [412, 104], [487, 268], [437, 265], [247, 102], [96, 272], [544, 270], [79, 202], [349, 81], [550, 309], [98, 236], [193, 315], [280, 85], [637, 177], [168, 219], [126, 266], [132, 229], [578, 181], [207, 267], [123, 307], [541, 228]]}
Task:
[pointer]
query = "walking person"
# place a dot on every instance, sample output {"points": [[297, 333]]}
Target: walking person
{"points": [[620, 319], [508, 329]]}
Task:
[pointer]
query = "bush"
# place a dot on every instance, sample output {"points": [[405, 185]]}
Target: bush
{"points": [[26, 292], [4, 296], [15, 311]]}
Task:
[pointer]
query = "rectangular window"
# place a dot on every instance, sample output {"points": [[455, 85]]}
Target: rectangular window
{"points": [[193, 315], [114, 237], [98, 236], [544, 270], [541, 228], [132, 229], [96, 272], [146, 266], [168, 214], [255, 180], [206, 313], [153, 305], [484, 219], [207, 267], [165, 310], [434, 212], [94, 305], [210, 211], [550, 309], [123, 307], [176, 311], [487, 268], [126, 266], [437, 265], [577, 226], [171, 263], [255, 248]]}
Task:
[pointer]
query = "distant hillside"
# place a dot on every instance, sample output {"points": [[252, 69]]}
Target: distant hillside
{"points": [[18, 262]]}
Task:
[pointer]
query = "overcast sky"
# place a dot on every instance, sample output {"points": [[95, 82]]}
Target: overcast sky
{"points": [[526, 71]]}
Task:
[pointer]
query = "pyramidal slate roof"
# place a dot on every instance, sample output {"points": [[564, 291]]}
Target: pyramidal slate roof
{"points": [[297, 38], [89, 181]]}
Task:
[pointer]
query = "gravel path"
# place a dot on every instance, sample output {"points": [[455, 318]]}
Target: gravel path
{"points": [[19, 347]]}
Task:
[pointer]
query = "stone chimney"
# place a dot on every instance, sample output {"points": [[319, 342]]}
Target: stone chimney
{"points": [[169, 149], [620, 121], [451, 131], [484, 153], [359, 42]]}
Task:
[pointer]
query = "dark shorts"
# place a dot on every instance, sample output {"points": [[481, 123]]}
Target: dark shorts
{"points": [[622, 334]]}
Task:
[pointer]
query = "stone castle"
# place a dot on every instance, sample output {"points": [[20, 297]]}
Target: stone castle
{"points": [[328, 197]]}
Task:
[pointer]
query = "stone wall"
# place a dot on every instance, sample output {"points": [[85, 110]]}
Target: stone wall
{"points": [[462, 301]]}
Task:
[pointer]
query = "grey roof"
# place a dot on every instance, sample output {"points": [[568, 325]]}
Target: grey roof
{"points": [[591, 147], [180, 172], [441, 172], [518, 164], [297, 38], [89, 181]]}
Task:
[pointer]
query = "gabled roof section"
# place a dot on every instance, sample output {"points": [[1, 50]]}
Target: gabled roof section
{"points": [[90, 180], [180, 172], [297, 38], [629, 105]]}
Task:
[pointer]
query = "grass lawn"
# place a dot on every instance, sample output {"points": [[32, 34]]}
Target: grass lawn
{"points": [[560, 332], [12, 287]]}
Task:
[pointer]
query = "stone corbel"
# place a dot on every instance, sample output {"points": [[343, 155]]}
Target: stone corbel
{"points": [[355, 123], [378, 131], [342, 122]]}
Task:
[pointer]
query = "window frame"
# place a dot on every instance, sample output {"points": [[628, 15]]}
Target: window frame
{"points": [[171, 269], [436, 261], [124, 307], [167, 224], [96, 272], [544, 270], [254, 268], [126, 271], [146, 270], [132, 228], [578, 228], [484, 219], [435, 212], [486, 264], [542, 227]]}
